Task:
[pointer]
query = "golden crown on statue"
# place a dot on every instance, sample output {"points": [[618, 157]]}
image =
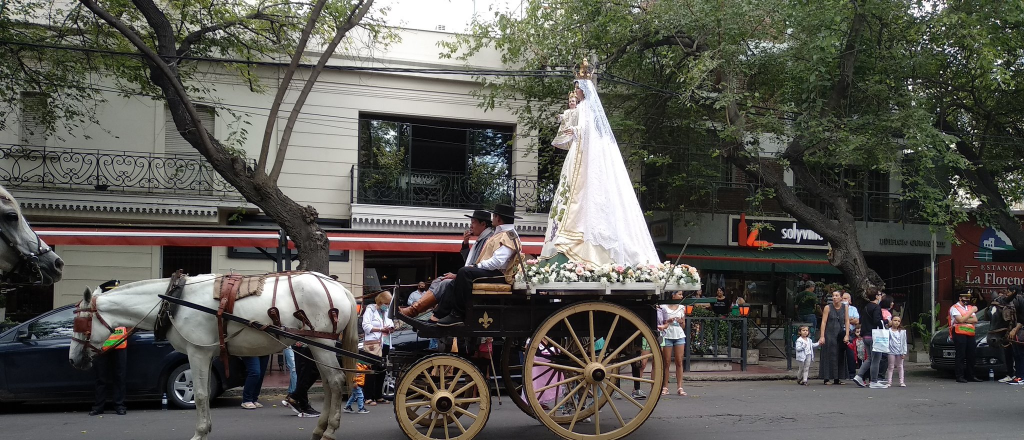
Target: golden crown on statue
{"points": [[584, 72]]}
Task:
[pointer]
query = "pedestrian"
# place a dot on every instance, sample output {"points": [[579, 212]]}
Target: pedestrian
{"points": [[1016, 338], [421, 289], [883, 365], [835, 334], [307, 374], [870, 320], [377, 327], [357, 391], [999, 329], [674, 341], [255, 367], [804, 348], [289, 364], [851, 347], [962, 318], [721, 305], [111, 366], [804, 302], [897, 350]]}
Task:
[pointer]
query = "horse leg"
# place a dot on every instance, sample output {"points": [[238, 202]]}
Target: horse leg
{"points": [[333, 380], [200, 360]]}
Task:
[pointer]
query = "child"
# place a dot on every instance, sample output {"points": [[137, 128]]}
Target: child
{"points": [[897, 349], [804, 354], [357, 390]]}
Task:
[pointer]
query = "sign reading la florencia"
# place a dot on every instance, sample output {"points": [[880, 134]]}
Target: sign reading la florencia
{"points": [[772, 232]]}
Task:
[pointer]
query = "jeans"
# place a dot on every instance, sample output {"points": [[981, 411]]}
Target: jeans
{"points": [[289, 364], [871, 365], [110, 372], [255, 367], [356, 397], [965, 347]]}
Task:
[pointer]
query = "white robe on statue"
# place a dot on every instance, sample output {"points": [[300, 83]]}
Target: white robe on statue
{"points": [[595, 216]]}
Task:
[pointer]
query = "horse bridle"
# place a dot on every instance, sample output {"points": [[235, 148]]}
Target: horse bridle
{"points": [[26, 261], [83, 324]]}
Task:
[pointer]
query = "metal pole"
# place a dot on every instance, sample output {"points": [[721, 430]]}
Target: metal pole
{"points": [[743, 344], [282, 242], [931, 303]]}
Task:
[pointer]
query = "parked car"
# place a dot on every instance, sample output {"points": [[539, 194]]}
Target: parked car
{"points": [[986, 357], [34, 366]]}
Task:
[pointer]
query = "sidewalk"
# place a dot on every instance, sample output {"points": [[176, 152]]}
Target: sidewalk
{"points": [[276, 381]]}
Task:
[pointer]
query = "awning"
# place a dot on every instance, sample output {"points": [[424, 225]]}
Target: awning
{"points": [[355, 240], [752, 260]]}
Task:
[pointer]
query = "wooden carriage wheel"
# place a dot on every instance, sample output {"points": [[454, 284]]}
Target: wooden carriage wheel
{"points": [[447, 392], [512, 356], [587, 375]]}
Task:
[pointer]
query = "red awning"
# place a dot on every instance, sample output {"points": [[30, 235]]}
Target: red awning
{"points": [[355, 240]]}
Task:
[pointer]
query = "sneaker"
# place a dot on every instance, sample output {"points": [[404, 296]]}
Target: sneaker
{"points": [[291, 403], [364, 411], [1016, 381], [309, 412], [639, 395], [348, 410], [903, 385], [877, 385], [1006, 379], [859, 380]]}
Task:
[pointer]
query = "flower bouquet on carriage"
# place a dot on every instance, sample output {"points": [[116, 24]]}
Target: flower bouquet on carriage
{"points": [[662, 276]]}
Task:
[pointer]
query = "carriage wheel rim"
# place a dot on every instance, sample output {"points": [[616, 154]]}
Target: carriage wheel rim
{"points": [[578, 364], [442, 397]]}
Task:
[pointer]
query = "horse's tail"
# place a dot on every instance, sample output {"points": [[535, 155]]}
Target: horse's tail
{"points": [[350, 340]]}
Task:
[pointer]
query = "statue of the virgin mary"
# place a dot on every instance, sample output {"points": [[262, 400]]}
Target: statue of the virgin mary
{"points": [[595, 216]]}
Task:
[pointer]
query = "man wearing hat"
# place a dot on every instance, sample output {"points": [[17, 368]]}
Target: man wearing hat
{"points": [[480, 226], [962, 318], [110, 366], [496, 260]]}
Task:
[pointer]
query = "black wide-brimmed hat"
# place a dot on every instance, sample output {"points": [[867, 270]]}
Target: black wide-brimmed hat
{"points": [[109, 285], [481, 215], [504, 210]]}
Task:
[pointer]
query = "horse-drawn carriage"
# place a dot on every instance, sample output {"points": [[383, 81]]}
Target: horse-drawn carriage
{"points": [[577, 342]]}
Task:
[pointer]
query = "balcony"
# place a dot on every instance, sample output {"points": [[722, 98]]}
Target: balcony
{"points": [[440, 189], [29, 167], [735, 198]]}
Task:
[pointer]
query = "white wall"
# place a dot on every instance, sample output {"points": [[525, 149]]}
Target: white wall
{"points": [[89, 266]]}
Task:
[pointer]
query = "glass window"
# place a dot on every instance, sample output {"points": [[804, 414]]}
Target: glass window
{"points": [[57, 325]]}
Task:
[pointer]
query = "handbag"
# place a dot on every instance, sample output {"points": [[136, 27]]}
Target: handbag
{"points": [[374, 347], [880, 340]]}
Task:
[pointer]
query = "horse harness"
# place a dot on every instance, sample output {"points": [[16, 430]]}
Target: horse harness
{"points": [[83, 324]]}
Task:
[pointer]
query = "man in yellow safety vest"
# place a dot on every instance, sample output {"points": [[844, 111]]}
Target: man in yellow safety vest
{"points": [[110, 367]]}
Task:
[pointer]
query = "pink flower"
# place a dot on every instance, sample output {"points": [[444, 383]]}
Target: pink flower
{"points": [[531, 262], [619, 268], [579, 270]]}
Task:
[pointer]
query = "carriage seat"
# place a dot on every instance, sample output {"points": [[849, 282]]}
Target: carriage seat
{"points": [[492, 289]]}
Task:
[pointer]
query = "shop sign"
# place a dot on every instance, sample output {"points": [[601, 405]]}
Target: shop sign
{"points": [[762, 232], [995, 274]]}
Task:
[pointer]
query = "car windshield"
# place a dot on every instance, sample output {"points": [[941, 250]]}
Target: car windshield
{"points": [[57, 325]]}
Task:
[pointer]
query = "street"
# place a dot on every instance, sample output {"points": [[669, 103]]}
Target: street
{"points": [[932, 406]]}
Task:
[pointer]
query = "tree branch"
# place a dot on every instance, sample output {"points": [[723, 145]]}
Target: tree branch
{"points": [[354, 17], [164, 34], [282, 89]]}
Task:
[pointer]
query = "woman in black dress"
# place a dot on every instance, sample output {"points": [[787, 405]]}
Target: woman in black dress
{"points": [[835, 334]]}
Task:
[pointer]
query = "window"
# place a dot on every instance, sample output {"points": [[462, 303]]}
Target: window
{"points": [[57, 325], [33, 118], [177, 145], [193, 260]]}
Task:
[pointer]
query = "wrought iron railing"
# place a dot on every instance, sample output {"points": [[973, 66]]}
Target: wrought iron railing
{"points": [[62, 168], [448, 190]]}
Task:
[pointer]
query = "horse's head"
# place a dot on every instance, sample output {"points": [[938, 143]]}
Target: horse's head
{"points": [[24, 257], [87, 340]]}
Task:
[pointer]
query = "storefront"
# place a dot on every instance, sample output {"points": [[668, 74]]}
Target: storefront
{"points": [[984, 260]]}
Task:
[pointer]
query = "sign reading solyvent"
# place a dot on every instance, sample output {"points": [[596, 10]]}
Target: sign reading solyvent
{"points": [[777, 232]]}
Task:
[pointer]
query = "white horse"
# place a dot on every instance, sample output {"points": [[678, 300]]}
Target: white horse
{"points": [[24, 257], [195, 333]]}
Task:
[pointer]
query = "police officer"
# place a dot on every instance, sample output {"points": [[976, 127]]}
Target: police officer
{"points": [[962, 318], [110, 366]]}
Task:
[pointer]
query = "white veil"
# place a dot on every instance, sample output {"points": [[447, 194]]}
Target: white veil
{"points": [[611, 216]]}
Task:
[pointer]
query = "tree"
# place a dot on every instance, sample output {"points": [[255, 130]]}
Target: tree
{"points": [[160, 49], [816, 89], [973, 80]]}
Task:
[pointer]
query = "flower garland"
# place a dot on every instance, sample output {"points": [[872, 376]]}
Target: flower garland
{"points": [[570, 272]]}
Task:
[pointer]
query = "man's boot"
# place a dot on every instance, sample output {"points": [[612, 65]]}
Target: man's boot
{"points": [[426, 302]]}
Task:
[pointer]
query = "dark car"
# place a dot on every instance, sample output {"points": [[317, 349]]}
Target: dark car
{"points": [[986, 357], [34, 366]]}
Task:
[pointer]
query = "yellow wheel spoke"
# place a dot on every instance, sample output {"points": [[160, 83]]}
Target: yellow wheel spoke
{"points": [[464, 412], [425, 413], [419, 391], [597, 410], [583, 351], [624, 344], [576, 403], [454, 381], [558, 366], [444, 422], [430, 430], [468, 400], [629, 361], [455, 420], [463, 389], [637, 379], [561, 349], [627, 396], [611, 404], [430, 381], [559, 383], [564, 399], [417, 404], [440, 383], [593, 355], [608, 338]]}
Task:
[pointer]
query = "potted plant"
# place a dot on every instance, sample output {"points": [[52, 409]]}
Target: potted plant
{"points": [[922, 332]]}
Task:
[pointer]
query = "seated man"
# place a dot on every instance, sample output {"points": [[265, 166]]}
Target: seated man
{"points": [[480, 226], [497, 259]]}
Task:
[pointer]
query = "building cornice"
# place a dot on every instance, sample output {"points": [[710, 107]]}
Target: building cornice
{"points": [[430, 220]]}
